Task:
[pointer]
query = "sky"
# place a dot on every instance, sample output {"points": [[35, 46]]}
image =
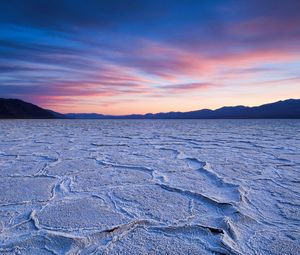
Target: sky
{"points": [[140, 56]]}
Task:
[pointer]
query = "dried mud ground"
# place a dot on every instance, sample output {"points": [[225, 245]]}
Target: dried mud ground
{"points": [[149, 187]]}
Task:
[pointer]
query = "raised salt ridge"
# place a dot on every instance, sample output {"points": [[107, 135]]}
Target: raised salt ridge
{"points": [[150, 187]]}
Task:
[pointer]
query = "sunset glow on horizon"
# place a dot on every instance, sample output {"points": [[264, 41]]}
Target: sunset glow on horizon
{"points": [[133, 56]]}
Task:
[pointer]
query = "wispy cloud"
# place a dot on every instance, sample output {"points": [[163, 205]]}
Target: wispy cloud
{"points": [[186, 87]]}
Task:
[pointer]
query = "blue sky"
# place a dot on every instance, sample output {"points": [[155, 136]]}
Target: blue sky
{"points": [[138, 56]]}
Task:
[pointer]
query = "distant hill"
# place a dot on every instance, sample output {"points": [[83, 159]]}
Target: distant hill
{"points": [[88, 116], [18, 109], [287, 109]]}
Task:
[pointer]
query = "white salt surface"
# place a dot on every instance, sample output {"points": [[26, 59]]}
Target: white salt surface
{"points": [[150, 187]]}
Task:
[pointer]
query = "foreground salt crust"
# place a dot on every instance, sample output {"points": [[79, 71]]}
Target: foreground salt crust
{"points": [[149, 187]]}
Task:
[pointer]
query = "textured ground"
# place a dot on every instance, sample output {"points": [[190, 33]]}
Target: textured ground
{"points": [[150, 187]]}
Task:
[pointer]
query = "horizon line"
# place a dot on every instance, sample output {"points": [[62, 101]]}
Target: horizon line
{"points": [[153, 113], [210, 109]]}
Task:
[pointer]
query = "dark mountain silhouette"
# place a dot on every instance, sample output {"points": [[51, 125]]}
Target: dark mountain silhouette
{"points": [[57, 115], [18, 109], [287, 109]]}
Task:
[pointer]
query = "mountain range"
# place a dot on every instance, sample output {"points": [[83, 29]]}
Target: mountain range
{"points": [[287, 109], [18, 109]]}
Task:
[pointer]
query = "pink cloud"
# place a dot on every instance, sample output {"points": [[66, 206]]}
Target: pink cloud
{"points": [[187, 87]]}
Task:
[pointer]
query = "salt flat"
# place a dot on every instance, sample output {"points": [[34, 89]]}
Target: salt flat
{"points": [[150, 187]]}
